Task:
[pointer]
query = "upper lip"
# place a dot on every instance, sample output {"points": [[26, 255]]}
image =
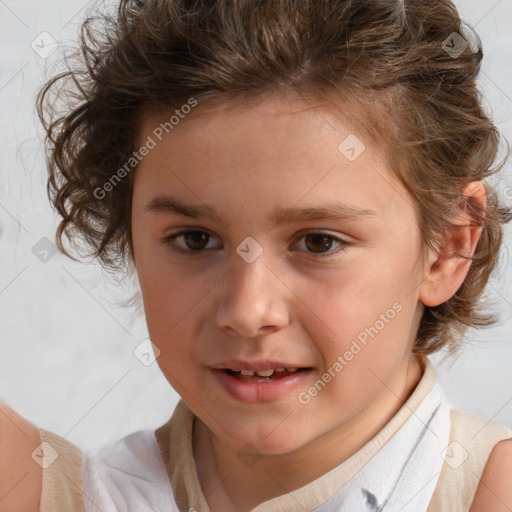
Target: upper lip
{"points": [[238, 364]]}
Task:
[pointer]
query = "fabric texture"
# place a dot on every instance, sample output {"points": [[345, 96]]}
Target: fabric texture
{"points": [[62, 475], [472, 439], [127, 476]]}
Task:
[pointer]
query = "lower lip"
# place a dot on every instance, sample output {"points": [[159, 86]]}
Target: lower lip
{"points": [[254, 392]]}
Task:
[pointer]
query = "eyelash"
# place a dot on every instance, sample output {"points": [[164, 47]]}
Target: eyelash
{"points": [[171, 238]]}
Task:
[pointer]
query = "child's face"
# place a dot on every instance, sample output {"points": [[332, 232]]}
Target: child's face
{"points": [[302, 302]]}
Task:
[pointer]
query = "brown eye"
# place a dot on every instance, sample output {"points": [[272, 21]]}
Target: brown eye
{"points": [[194, 241], [317, 242], [320, 244]]}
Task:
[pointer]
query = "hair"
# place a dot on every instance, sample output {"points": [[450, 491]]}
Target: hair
{"points": [[387, 63]]}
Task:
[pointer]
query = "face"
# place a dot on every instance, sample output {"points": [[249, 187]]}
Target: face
{"points": [[310, 261]]}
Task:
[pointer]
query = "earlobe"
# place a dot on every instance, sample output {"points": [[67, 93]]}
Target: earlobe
{"points": [[448, 266]]}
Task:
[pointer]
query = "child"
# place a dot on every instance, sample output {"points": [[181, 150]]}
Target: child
{"points": [[300, 188]]}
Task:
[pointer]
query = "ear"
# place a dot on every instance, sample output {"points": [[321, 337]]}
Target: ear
{"points": [[448, 266]]}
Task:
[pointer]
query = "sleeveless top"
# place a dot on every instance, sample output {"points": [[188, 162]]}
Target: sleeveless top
{"points": [[428, 457]]}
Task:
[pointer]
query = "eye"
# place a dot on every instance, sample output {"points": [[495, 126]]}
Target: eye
{"points": [[195, 241], [319, 243]]}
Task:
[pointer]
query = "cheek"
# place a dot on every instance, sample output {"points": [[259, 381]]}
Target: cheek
{"points": [[168, 306], [363, 314], [167, 300], [352, 298]]}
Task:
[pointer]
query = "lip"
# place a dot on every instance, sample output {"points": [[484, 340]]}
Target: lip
{"points": [[261, 364], [260, 392]]}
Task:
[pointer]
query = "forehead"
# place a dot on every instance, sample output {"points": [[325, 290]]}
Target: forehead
{"points": [[277, 150]]}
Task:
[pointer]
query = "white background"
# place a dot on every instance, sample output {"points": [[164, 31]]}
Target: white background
{"points": [[66, 346]]}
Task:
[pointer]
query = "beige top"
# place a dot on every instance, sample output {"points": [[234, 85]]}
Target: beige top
{"points": [[62, 475], [471, 440]]}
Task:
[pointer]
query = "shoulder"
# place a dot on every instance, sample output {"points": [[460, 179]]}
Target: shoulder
{"points": [[494, 492], [21, 482], [62, 473], [474, 461]]}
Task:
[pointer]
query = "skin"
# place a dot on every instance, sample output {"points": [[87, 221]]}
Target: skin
{"points": [[21, 477], [290, 303]]}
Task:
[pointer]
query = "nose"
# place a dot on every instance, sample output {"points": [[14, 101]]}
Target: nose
{"points": [[253, 299]]}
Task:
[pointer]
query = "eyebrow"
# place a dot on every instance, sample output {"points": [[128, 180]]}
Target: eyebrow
{"points": [[279, 216]]}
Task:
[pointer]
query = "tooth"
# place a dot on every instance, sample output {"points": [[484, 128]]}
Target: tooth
{"points": [[265, 373], [292, 370], [246, 372]]}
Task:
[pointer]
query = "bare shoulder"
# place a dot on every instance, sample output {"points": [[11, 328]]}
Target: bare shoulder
{"points": [[21, 476], [494, 492]]}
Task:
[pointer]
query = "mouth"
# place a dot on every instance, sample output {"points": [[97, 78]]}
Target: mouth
{"points": [[261, 381], [269, 375]]}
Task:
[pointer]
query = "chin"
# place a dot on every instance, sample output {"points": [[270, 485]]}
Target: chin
{"points": [[261, 441]]}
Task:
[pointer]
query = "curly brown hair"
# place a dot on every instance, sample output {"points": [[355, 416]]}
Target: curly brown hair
{"points": [[406, 69]]}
